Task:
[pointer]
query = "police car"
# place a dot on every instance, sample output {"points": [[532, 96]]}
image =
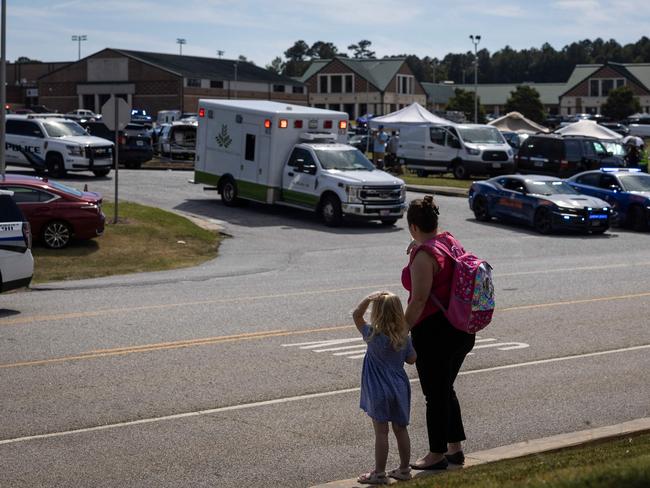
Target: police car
{"points": [[626, 189], [55, 144], [16, 261]]}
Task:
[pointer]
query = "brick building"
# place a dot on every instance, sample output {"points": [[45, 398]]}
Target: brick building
{"points": [[361, 86], [22, 81], [589, 85], [155, 81]]}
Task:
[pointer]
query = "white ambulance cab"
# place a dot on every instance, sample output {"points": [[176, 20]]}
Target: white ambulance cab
{"points": [[55, 144], [291, 155]]}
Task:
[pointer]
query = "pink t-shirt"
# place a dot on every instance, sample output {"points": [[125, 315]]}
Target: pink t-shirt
{"points": [[441, 281]]}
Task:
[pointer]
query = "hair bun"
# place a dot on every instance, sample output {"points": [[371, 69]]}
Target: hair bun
{"points": [[427, 201]]}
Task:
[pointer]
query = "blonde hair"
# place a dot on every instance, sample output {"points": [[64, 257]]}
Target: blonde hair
{"points": [[387, 317]]}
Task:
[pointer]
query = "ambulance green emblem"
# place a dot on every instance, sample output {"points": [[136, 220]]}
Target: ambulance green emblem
{"points": [[223, 139]]}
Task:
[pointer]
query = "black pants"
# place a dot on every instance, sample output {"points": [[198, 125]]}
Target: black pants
{"points": [[441, 350]]}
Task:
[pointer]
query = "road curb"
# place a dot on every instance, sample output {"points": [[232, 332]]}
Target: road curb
{"points": [[521, 449], [439, 190]]}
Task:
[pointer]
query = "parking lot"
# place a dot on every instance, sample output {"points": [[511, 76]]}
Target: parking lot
{"points": [[245, 371]]}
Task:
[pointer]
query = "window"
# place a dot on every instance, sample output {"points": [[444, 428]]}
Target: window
{"points": [[405, 84], [594, 88], [216, 84], [437, 135], [279, 88], [250, 147], [609, 182], [573, 150], [514, 185], [29, 195], [606, 86], [590, 179], [336, 84], [300, 157], [23, 128], [349, 84], [298, 89], [620, 82], [9, 212], [194, 82]]}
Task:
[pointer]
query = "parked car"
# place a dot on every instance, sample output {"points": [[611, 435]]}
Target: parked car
{"points": [[616, 127], [543, 202], [563, 156], [140, 116], [16, 261], [640, 127], [626, 189], [178, 140], [57, 213], [58, 145], [135, 145], [83, 115]]}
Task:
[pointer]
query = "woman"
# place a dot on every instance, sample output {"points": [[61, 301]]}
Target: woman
{"points": [[440, 348]]}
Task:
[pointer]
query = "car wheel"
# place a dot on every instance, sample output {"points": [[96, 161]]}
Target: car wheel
{"points": [[543, 222], [57, 234], [330, 211], [638, 218], [460, 171], [101, 172], [481, 209], [55, 165], [229, 193], [388, 222]]}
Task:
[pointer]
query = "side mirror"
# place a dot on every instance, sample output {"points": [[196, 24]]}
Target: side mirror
{"points": [[614, 187]]}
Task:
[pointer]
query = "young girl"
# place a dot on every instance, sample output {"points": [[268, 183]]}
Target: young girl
{"points": [[385, 387]]}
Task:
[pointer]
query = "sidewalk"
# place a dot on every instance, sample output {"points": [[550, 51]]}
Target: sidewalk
{"points": [[527, 448]]}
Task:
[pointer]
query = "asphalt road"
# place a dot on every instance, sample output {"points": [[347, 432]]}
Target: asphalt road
{"points": [[245, 371]]}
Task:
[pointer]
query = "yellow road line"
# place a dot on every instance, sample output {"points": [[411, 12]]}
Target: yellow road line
{"points": [[575, 302], [115, 311], [121, 351]]}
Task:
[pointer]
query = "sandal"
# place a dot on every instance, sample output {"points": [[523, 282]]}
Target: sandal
{"points": [[401, 474], [373, 478]]}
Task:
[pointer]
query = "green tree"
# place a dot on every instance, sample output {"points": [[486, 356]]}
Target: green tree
{"points": [[296, 59], [276, 66], [362, 50], [620, 103], [525, 100], [323, 50], [463, 101]]}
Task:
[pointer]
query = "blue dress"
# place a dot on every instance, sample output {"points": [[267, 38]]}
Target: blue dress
{"points": [[385, 387]]}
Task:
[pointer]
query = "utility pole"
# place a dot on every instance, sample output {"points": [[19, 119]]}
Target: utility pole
{"points": [[3, 83], [180, 41], [236, 69], [475, 40], [78, 39]]}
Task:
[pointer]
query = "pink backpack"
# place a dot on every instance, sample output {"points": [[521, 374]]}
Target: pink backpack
{"points": [[471, 302]]}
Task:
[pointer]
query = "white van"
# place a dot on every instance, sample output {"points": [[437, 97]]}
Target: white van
{"points": [[463, 149], [55, 144], [168, 116], [291, 155]]}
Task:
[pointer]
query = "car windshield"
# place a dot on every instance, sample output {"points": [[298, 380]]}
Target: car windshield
{"points": [[637, 182], [63, 128], [550, 188], [343, 160], [481, 135], [65, 189]]}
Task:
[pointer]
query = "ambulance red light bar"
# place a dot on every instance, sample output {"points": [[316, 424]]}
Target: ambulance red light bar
{"points": [[267, 124], [327, 124], [201, 112], [297, 124], [283, 123], [343, 124]]}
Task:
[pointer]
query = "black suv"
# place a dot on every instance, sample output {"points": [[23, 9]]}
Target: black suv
{"points": [[135, 145], [563, 156]]}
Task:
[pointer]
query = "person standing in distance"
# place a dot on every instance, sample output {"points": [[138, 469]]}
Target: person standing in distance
{"points": [[379, 147]]}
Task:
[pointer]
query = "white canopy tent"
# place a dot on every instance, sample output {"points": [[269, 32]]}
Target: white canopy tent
{"points": [[516, 122], [589, 128], [414, 114]]}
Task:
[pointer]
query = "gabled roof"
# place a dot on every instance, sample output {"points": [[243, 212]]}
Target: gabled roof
{"points": [[438, 92], [637, 72], [379, 72], [208, 68]]}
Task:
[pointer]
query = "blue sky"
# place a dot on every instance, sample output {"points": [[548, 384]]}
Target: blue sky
{"points": [[262, 30]]}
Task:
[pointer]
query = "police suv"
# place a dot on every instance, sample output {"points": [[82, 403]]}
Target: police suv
{"points": [[56, 144], [16, 261]]}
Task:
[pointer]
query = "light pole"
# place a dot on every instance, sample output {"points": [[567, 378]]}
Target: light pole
{"points": [[78, 39], [3, 78], [475, 40], [220, 53], [180, 41]]}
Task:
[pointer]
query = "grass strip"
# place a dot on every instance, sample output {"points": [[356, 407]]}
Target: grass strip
{"points": [[440, 180], [621, 462], [145, 239]]}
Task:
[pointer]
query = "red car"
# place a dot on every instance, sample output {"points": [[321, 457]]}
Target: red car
{"points": [[56, 212]]}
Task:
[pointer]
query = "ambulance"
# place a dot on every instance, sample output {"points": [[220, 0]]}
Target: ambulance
{"points": [[282, 154]]}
